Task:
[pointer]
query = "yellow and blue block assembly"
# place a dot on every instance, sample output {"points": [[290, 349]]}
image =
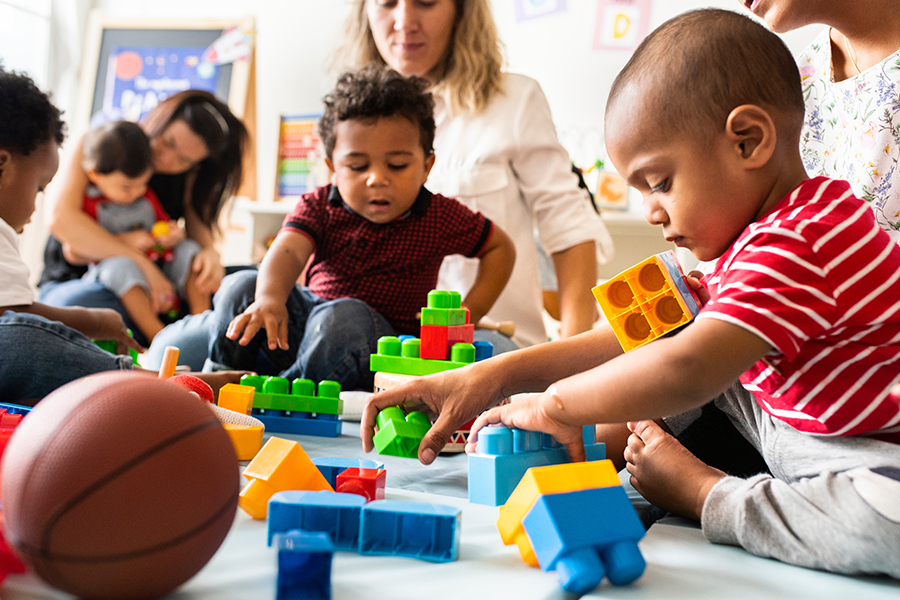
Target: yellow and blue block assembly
{"points": [[647, 301]]}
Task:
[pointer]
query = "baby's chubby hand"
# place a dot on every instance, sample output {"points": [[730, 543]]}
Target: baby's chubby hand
{"points": [[532, 414], [693, 279], [262, 314], [108, 325]]}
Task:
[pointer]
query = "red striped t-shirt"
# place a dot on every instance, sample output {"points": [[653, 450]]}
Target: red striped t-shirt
{"points": [[819, 280]]}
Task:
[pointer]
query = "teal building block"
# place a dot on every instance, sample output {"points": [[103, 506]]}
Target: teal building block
{"points": [[585, 535], [333, 513], [399, 434], [503, 456]]}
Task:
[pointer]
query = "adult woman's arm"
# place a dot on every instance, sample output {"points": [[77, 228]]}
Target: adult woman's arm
{"points": [[207, 264], [576, 274], [83, 235]]}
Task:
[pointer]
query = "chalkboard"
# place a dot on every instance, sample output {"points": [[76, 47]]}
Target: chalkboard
{"points": [[130, 65]]}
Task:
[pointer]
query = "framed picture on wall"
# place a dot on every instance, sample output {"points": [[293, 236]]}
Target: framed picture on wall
{"points": [[130, 65]]}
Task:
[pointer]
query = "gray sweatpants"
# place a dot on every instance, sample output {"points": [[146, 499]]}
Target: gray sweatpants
{"points": [[831, 503]]}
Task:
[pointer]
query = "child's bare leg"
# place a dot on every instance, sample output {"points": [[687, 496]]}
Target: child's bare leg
{"points": [[197, 300], [615, 436], [140, 309], [666, 473]]}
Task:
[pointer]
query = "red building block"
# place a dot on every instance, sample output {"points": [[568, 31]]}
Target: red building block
{"points": [[368, 483], [437, 340]]}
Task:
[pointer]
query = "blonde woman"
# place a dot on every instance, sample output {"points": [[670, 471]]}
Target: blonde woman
{"points": [[496, 151]]}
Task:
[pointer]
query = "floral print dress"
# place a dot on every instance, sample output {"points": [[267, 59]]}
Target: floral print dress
{"points": [[852, 129]]}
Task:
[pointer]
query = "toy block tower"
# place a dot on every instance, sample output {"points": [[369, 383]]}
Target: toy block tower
{"points": [[545, 518], [647, 301], [446, 343]]}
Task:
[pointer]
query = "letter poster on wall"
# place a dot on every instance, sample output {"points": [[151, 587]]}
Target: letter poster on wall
{"points": [[621, 24]]}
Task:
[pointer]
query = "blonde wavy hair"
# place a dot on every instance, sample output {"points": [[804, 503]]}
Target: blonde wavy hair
{"points": [[466, 78]]}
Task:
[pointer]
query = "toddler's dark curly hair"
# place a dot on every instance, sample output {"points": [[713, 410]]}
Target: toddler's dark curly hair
{"points": [[27, 117], [378, 91]]}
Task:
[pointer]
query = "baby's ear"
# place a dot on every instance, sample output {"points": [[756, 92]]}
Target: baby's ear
{"points": [[5, 157], [753, 133]]}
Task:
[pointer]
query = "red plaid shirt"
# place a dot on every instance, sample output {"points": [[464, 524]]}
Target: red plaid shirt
{"points": [[390, 267]]}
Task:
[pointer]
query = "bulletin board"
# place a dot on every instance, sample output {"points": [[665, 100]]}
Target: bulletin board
{"points": [[130, 65]]}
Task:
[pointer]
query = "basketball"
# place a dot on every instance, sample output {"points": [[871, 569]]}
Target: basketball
{"points": [[118, 486]]}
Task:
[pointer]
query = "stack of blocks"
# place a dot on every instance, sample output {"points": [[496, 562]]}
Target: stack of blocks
{"points": [[296, 408], [576, 519], [446, 343], [647, 301], [10, 417], [503, 456]]}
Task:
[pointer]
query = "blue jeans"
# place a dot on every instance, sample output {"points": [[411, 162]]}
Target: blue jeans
{"points": [[327, 339], [38, 355]]}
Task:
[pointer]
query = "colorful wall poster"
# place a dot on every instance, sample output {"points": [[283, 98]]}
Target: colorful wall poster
{"points": [[529, 9], [621, 24]]}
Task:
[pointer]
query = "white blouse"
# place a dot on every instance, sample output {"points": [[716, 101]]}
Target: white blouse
{"points": [[14, 287], [507, 163]]}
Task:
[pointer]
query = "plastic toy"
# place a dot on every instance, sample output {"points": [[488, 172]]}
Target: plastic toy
{"points": [[238, 398], [647, 301], [553, 479], [403, 358], [333, 513], [585, 535], [503, 456], [368, 483], [296, 408], [332, 466], [10, 417], [424, 531], [281, 465], [157, 253], [246, 439], [194, 385], [110, 346], [304, 565], [399, 434]]}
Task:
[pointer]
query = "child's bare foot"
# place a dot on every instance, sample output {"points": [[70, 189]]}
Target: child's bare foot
{"points": [[220, 378], [665, 473]]}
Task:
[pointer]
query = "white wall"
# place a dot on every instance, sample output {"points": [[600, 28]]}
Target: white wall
{"points": [[295, 39]]}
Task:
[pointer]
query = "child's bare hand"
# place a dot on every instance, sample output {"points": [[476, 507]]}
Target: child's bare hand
{"points": [[262, 314], [140, 240], [107, 324], [174, 235], [693, 278], [530, 414], [454, 396]]}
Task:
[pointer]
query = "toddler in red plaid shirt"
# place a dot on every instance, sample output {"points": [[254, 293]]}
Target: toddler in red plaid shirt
{"points": [[376, 236]]}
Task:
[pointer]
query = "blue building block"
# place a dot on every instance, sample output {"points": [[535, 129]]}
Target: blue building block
{"points": [[332, 466], [586, 535], [304, 565], [15, 409], [297, 425], [333, 513], [415, 529], [504, 455]]}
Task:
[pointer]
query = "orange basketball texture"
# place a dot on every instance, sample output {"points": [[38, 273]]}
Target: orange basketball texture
{"points": [[119, 485]]}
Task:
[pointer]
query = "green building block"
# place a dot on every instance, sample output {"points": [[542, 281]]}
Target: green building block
{"points": [[275, 393], [110, 346], [403, 359], [400, 435], [444, 308]]}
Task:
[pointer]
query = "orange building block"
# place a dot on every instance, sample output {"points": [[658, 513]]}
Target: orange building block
{"points": [[247, 440], [238, 398], [280, 466], [647, 301], [552, 479]]}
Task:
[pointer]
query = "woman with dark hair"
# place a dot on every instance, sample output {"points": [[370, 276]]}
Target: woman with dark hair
{"points": [[198, 147]]}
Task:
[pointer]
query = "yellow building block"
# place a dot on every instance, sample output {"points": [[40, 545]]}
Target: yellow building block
{"points": [[552, 479], [647, 301], [238, 398], [281, 465], [247, 440]]}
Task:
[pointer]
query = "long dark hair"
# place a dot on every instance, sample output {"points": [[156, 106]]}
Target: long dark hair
{"points": [[218, 175]]}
